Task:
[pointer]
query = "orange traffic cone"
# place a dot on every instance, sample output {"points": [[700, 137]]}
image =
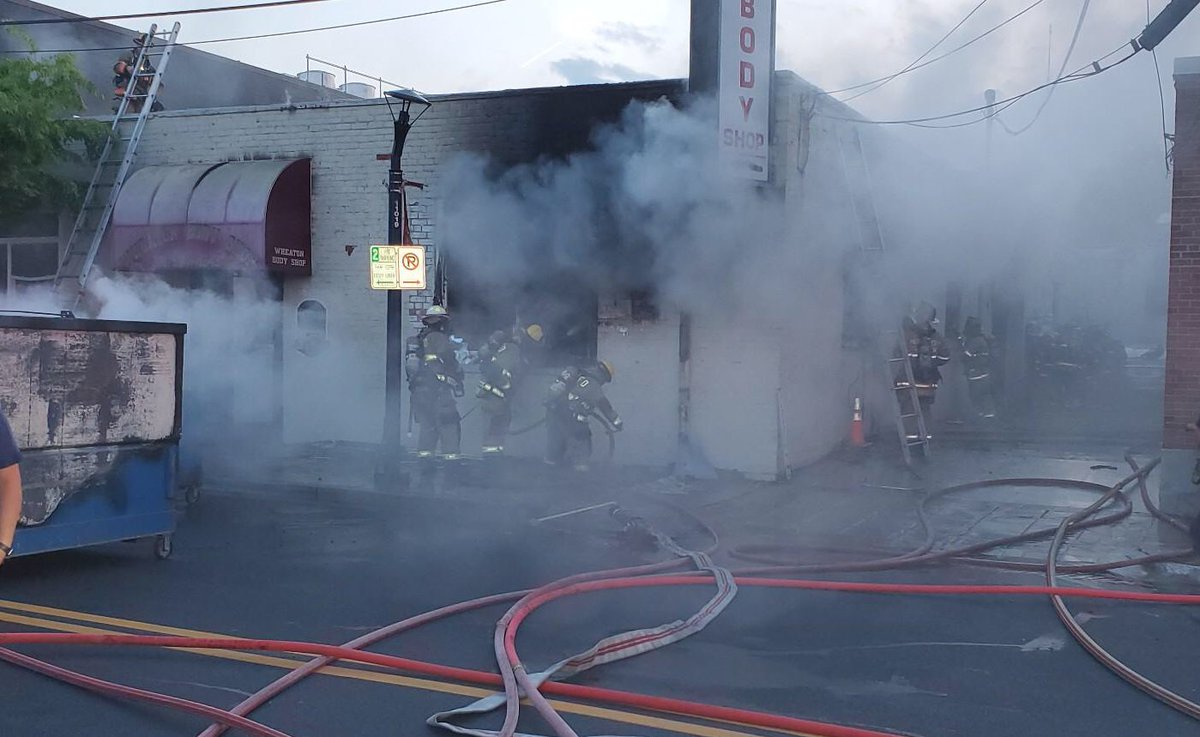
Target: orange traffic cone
{"points": [[856, 426]]}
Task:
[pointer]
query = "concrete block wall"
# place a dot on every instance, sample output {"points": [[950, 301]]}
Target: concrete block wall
{"points": [[735, 385], [646, 389], [1181, 401]]}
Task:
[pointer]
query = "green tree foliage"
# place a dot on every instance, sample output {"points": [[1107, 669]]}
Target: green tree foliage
{"points": [[39, 135]]}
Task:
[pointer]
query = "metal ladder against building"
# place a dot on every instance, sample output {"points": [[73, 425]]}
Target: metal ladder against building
{"points": [[113, 167], [858, 182], [910, 419]]}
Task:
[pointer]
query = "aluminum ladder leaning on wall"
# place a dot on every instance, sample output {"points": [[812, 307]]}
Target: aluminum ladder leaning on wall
{"points": [[113, 166], [910, 417]]}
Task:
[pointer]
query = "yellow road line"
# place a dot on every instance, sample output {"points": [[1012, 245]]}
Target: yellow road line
{"points": [[613, 715]]}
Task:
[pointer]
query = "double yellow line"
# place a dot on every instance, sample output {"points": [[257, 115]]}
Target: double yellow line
{"points": [[66, 620]]}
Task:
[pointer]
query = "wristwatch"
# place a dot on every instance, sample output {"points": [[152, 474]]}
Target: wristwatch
{"points": [[6, 549]]}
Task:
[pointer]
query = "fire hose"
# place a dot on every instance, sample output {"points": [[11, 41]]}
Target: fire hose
{"points": [[591, 693], [599, 581]]}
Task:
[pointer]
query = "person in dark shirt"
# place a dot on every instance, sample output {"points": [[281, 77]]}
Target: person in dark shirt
{"points": [[10, 488]]}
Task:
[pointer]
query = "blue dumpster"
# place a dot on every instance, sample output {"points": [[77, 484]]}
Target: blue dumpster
{"points": [[96, 407]]}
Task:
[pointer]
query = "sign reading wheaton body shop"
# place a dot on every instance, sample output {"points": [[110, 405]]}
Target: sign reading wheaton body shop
{"points": [[747, 63]]}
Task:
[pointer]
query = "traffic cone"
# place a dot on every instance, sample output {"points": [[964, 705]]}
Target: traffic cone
{"points": [[856, 426]]}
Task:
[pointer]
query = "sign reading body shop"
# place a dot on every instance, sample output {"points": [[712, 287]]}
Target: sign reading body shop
{"points": [[747, 63]]}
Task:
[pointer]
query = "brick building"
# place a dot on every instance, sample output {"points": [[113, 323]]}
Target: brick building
{"points": [[760, 400], [1181, 402]]}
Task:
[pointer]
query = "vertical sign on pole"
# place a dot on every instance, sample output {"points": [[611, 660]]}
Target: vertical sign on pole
{"points": [[747, 64]]}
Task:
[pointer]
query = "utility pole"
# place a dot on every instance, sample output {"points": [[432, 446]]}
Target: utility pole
{"points": [[398, 234]]}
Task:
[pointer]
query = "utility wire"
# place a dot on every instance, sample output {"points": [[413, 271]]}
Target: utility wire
{"points": [[1078, 74], [916, 61], [936, 59], [1162, 100], [276, 34], [159, 14], [1066, 60]]}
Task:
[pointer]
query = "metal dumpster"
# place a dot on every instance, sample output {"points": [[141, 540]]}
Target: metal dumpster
{"points": [[96, 408]]}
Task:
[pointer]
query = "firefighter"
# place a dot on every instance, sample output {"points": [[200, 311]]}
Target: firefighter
{"points": [[501, 363], [435, 380], [927, 352], [574, 398], [124, 80], [977, 366]]}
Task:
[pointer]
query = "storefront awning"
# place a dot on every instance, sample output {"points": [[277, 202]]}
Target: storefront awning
{"points": [[239, 216]]}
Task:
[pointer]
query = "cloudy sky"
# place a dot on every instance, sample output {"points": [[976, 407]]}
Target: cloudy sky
{"points": [[523, 43], [1105, 133]]}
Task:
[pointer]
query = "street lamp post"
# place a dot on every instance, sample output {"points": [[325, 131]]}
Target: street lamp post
{"points": [[400, 103]]}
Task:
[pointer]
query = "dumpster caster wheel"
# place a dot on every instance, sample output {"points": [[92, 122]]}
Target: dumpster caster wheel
{"points": [[163, 545], [191, 494]]}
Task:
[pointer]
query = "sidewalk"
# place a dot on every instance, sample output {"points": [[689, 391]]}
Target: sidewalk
{"points": [[853, 503]]}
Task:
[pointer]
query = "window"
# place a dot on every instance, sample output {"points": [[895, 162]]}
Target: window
{"points": [[27, 261], [311, 326]]}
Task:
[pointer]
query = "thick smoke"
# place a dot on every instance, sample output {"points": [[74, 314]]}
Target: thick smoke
{"points": [[648, 207]]}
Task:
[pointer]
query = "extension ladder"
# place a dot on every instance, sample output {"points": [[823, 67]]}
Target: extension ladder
{"points": [[113, 166], [910, 418]]}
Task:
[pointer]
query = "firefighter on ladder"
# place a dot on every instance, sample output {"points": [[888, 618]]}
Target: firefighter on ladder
{"points": [[573, 399], [435, 380], [977, 366], [927, 352], [124, 79], [501, 363]]}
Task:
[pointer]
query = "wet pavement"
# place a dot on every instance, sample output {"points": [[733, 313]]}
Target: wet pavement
{"points": [[326, 557]]}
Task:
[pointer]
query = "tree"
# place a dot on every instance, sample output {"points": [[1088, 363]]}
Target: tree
{"points": [[39, 135]]}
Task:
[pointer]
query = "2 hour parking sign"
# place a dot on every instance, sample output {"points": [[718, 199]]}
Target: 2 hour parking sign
{"points": [[398, 267]]}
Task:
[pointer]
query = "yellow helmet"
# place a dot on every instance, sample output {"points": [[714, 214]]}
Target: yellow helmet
{"points": [[434, 314], [608, 369], [535, 333]]}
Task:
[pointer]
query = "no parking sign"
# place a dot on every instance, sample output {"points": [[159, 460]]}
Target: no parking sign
{"points": [[398, 267]]}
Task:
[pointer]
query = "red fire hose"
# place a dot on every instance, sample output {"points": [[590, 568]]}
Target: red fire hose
{"points": [[589, 693]]}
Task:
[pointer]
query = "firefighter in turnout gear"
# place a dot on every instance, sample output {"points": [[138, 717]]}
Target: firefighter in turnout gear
{"points": [[124, 79], [501, 364], [435, 379], [574, 398], [977, 366], [927, 352]]}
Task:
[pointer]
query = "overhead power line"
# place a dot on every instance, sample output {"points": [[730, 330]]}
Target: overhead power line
{"points": [[914, 67], [1162, 101], [1066, 60], [916, 61], [276, 34], [159, 14], [1153, 34], [1084, 72]]}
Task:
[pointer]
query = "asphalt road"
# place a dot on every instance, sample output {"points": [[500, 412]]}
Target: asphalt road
{"points": [[330, 567]]}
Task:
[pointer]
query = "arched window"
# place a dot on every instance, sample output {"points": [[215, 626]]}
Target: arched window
{"points": [[311, 318], [312, 326]]}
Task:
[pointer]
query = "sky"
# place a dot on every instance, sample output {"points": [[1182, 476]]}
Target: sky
{"points": [[1107, 130], [524, 43]]}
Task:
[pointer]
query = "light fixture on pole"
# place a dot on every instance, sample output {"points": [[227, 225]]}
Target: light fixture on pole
{"points": [[400, 104]]}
